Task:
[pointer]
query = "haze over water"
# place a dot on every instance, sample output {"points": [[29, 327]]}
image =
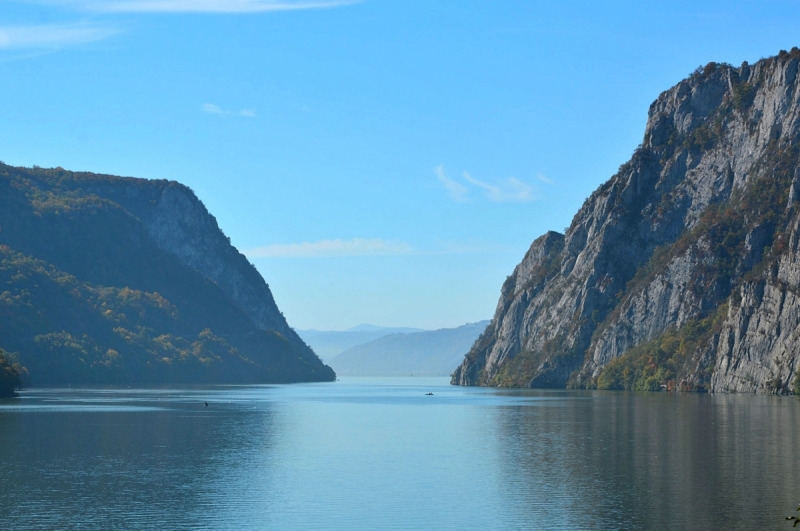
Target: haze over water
{"points": [[379, 454]]}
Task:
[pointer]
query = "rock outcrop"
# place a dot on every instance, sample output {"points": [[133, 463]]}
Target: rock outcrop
{"points": [[179, 223], [688, 256]]}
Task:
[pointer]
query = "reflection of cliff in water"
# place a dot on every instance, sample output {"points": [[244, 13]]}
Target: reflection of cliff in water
{"points": [[650, 461]]}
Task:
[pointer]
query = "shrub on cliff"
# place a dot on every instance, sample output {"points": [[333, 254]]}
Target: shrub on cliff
{"points": [[660, 364]]}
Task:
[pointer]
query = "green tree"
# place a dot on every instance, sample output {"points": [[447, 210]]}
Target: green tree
{"points": [[9, 375]]}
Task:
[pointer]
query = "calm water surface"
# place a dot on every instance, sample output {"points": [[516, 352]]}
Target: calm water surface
{"points": [[379, 454]]}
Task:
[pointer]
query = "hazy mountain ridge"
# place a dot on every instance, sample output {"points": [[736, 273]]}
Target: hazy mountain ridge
{"points": [[106, 279], [329, 344], [682, 270], [426, 353]]}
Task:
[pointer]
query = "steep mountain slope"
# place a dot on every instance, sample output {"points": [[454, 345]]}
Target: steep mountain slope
{"points": [[106, 279], [428, 353], [681, 271], [329, 344]]}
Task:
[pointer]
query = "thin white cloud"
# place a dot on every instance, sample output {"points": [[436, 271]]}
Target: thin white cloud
{"points": [[510, 189], [501, 190], [456, 191], [211, 108], [544, 178], [329, 248], [371, 247], [198, 6], [51, 36]]}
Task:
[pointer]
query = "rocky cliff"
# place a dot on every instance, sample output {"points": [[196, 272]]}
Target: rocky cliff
{"points": [[178, 223], [106, 279], [681, 271]]}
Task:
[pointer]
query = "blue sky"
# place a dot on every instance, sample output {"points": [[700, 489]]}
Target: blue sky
{"points": [[381, 161]]}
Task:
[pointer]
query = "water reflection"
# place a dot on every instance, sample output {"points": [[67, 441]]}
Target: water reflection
{"points": [[130, 462], [652, 461]]}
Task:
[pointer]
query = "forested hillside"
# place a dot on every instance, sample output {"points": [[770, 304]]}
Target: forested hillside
{"points": [[106, 279]]}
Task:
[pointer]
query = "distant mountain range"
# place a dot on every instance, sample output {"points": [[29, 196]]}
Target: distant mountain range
{"points": [[329, 344], [424, 353]]}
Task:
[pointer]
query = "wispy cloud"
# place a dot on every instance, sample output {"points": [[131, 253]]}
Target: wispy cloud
{"points": [[510, 189], [51, 36], [544, 178], [211, 108], [500, 190], [198, 6], [370, 247], [328, 248], [456, 191]]}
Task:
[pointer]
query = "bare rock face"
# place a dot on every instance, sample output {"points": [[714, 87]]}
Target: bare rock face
{"points": [[757, 348], [521, 298], [700, 223], [179, 223]]}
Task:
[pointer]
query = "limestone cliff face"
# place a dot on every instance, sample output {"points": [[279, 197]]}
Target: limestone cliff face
{"points": [[700, 222], [179, 224], [756, 349]]}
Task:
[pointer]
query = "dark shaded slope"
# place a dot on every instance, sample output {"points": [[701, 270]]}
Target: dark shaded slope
{"points": [[89, 292]]}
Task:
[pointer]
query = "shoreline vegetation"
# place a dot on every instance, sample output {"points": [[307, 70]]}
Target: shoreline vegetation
{"points": [[10, 375]]}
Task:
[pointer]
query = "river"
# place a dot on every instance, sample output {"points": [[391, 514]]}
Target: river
{"points": [[380, 454]]}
